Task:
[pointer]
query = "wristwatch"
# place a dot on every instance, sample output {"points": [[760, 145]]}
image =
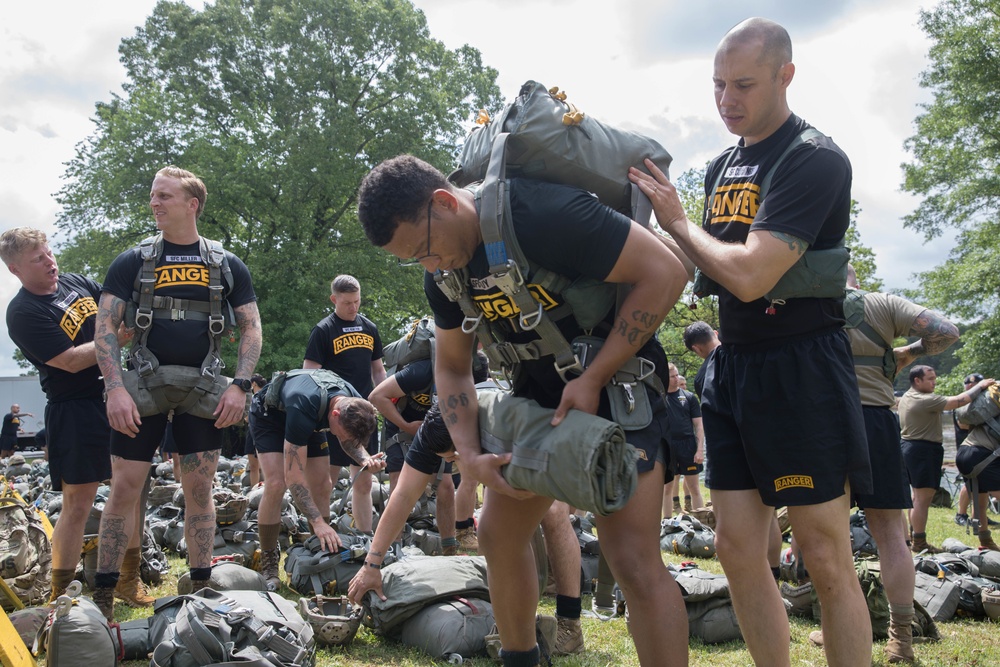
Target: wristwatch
{"points": [[243, 384]]}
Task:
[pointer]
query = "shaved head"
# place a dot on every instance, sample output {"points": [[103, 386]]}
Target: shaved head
{"points": [[775, 44]]}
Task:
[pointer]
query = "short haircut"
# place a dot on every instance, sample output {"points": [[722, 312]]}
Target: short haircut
{"points": [[433, 433], [357, 416], [918, 372], [15, 241], [396, 191], [344, 283], [776, 44], [972, 378], [190, 183], [698, 333], [258, 379]]}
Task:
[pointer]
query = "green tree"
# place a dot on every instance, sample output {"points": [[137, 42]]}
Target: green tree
{"points": [[281, 107], [955, 168]]}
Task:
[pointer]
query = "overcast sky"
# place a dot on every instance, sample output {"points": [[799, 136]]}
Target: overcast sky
{"points": [[643, 64]]}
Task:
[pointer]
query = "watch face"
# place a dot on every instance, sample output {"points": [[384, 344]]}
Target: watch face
{"points": [[242, 384]]}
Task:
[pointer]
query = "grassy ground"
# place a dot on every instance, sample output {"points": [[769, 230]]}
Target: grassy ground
{"points": [[965, 642]]}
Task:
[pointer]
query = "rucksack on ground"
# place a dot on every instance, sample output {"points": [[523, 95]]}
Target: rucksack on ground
{"points": [[260, 627], [227, 576], [450, 627], [686, 536], [25, 552], [76, 633]]}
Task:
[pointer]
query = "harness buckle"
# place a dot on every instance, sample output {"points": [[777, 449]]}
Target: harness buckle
{"points": [[629, 396], [575, 366], [508, 356], [470, 324], [529, 322], [216, 324], [177, 314], [143, 318]]}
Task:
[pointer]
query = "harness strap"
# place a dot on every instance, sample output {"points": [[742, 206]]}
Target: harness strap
{"points": [[994, 425]]}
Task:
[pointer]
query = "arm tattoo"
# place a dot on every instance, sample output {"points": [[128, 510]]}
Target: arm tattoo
{"points": [[795, 244], [303, 500], [449, 407], [355, 450], [251, 338], [109, 315], [114, 541], [640, 329], [936, 333]]}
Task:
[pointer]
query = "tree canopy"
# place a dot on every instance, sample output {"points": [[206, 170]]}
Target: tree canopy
{"points": [[281, 107], [955, 168]]}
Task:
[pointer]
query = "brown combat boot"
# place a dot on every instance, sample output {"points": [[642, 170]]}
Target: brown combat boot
{"points": [[104, 598], [467, 539], [269, 560], [986, 540], [920, 543], [677, 506], [130, 588], [899, 648], [687, 505], [60, 580], [569, 636]]}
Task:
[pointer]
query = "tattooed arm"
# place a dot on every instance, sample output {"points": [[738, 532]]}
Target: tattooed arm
{"points": [[232, 405], [122, 413], [748, 270], [657, 279], [295, 480], [936, 333]]}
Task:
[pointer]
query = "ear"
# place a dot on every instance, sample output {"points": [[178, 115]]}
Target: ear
{"points": [[445, 199], [333, 298], [786, 74]]}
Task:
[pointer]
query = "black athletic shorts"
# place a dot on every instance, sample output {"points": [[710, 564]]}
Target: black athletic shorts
{"points": [[684, 451], [395, 453], [268, 432], [339, 458], [8, 443], [968, 457], [923, 460], [79, 442], [193, 435], [425, 461], [785, 419], [249, 448], [892, 487]]}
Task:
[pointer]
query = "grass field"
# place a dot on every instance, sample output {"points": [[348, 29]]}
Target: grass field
{"points": [[965, 642]]}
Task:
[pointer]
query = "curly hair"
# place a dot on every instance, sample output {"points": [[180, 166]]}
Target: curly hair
{"points": [[357, 416], [394, 192]]}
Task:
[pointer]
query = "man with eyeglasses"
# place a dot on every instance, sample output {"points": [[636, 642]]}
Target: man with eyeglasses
{"points": [[408, 207], [348, 343]]}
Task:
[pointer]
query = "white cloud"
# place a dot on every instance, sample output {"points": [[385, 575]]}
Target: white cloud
{"points": [[645, 64]]}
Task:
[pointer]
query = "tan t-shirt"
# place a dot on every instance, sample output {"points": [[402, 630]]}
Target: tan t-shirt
{"points": [[891, 317], [920, 416]]}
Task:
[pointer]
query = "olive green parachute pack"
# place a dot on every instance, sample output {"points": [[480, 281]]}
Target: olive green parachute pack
{"points": [[854, 318], [541, 136], [816, 274]]}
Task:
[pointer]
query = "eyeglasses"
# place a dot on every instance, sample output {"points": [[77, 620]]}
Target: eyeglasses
{"points": [[413, 261]]}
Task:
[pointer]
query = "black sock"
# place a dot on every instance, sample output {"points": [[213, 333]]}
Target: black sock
{"points": [[106, 579], [568, 607], [201, 573], [459, 525], [776, 573], [519, 658]]}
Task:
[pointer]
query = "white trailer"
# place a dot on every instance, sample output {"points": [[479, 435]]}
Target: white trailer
{"points": [[27, 392]]}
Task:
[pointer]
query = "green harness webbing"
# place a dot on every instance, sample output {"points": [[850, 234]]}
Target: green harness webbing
{"points": [[147, 306], [854, 315], [993, 424]]}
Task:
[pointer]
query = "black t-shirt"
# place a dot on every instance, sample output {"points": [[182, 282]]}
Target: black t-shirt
{"points": [[682, 407], [346, 348], [303, 400], [416, 379], [809, 198], [44, 327], [562, 229], [11, 423], [180, 273]]}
